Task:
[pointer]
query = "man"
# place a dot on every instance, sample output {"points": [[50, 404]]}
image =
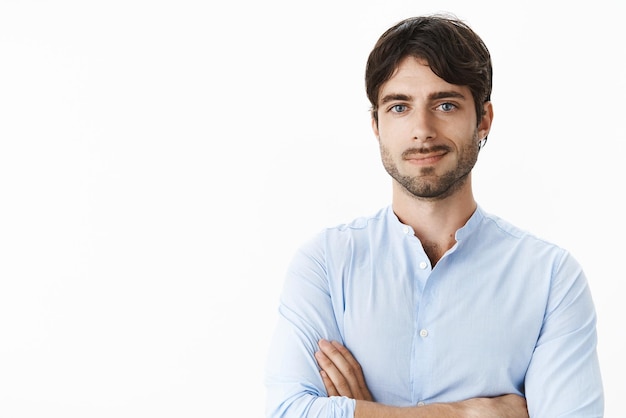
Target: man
{"points": [[433, 307]]}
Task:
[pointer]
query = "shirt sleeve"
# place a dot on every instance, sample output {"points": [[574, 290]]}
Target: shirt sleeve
{"points": [[306, 314], [563, 378]]}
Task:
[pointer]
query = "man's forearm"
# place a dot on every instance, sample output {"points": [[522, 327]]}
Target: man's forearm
{"points": [[366, 409], [342, 376], [507, 406]]}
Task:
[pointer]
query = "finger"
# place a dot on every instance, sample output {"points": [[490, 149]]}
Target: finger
{"points": [[337, 354], [347, 381], [355, 366], [331, 390], [329, 366]]}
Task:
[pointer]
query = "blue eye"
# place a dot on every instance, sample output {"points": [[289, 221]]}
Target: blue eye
{"points": [[398, 108], [447, 107]]}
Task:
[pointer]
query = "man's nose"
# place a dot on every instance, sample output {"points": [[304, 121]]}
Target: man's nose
{"points": [[423, 125]]}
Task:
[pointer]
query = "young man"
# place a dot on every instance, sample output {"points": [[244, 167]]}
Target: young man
{"points": [[433, 307]]}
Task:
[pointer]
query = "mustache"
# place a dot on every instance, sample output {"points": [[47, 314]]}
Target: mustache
{"points": [[424, 150]]}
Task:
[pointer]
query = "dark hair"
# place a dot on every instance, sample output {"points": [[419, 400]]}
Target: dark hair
{"points": [[453, 51]]}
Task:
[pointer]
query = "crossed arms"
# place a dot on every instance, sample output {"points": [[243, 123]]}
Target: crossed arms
{"points": [[342, 376], [533, 337]]}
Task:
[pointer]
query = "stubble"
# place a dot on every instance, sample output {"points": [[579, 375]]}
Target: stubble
{"points": [[426, 184]]}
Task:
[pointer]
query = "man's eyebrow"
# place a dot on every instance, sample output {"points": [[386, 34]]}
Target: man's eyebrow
{"points": [[392, 97], [446, 95], [395, 97]]}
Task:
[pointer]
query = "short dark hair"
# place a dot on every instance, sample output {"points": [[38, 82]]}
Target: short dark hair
{"points": [[452, 49]]}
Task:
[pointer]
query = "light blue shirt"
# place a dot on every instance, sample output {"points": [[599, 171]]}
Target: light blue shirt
{"points": [[501, 312]]}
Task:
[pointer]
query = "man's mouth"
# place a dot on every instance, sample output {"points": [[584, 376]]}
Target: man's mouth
{"points": [[425, 156]]}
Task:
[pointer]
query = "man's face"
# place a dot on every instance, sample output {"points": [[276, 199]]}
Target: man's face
{"points": [[427, 131]]}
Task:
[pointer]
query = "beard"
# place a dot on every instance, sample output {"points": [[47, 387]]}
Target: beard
{"points": [[427, 185]]}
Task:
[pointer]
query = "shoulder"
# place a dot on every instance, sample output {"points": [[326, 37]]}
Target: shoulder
{"points": [[361, 223], [504, 228], [337, 238], [494, 230]]}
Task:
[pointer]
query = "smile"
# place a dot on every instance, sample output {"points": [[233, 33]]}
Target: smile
{"points": [[419, 158]]}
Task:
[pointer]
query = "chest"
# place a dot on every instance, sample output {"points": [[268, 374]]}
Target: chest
{"points": [[419, 334]]}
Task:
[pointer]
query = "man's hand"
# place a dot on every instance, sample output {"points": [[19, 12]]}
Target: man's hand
{"points": [[341, 373]]}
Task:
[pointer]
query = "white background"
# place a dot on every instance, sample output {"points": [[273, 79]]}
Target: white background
{"points": [[160, 161]]}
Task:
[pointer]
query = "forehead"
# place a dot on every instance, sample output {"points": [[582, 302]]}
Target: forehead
{"points": [[413, 76]]}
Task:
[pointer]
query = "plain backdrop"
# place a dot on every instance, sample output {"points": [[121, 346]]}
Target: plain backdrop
{"points": [[161, 161]]}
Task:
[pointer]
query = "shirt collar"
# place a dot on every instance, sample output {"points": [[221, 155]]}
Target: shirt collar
{"points": [[470, 226]]}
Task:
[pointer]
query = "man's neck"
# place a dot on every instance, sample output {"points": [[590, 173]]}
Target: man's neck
{"points": [[435, 222]]}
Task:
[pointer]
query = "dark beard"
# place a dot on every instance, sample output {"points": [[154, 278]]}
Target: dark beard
{"points": [[434, 188]]}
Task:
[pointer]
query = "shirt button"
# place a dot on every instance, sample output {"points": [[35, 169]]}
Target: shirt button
{"points": [[421, 403], [423, 265], [423, 333], [405, 229]]}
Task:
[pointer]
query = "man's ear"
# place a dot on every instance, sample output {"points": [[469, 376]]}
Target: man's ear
{"points": [[375, 128], [485, 122]]}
